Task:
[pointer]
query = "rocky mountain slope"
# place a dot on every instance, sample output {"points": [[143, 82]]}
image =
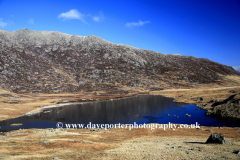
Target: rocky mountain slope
{"points": [[230, 107], [53, 62]]}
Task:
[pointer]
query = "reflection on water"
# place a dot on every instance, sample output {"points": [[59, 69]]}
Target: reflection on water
{"points": [[140, 109]]}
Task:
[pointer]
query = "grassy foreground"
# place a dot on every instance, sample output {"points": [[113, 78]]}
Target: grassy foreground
{"points": [[118, 144]]}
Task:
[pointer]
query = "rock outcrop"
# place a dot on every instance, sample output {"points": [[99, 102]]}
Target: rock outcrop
{"points": [[230, 107], [218, 139], [54, 62]]}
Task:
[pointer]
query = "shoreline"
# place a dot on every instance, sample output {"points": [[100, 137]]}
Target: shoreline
{"points": [[41, 109], [46, 101]]}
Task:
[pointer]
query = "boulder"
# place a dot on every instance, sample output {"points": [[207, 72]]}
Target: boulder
{"points": [[209, 130], [188, 115], [232, 91], [237, 152], [217, 138]]}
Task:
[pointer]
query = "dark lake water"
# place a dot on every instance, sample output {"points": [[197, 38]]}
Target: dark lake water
{"points": [[140, 109]]}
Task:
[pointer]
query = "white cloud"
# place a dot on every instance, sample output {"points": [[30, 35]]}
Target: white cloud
{"points": [[99, 17], [136, 24], [72, 14], [2, 23], [30, 21], [96, 18], [236, 68]]}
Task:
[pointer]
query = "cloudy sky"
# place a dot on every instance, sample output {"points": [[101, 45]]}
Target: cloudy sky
{"points": [[201, 28]]}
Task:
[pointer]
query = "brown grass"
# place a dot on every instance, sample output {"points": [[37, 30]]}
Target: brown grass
{"points": [[208, 94], [116, 144]]}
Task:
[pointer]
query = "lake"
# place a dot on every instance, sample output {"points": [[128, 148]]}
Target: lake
{"points": [[140, 109]]}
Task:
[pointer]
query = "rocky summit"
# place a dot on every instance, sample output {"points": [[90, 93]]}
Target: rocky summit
{"points": [[54, 62]]}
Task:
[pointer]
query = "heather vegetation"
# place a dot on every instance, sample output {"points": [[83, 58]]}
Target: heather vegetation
{"points": [[54, 62]]}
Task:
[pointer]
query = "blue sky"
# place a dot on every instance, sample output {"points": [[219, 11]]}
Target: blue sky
{"points": [[201, 28]]}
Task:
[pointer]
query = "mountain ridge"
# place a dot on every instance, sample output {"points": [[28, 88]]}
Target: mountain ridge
{"points": [[54, 62]]}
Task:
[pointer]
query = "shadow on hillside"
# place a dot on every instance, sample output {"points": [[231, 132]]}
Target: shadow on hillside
{"points": [[224, 101]]}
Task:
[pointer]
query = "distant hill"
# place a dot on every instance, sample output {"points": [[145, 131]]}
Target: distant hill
{"points": [[237, 68], [53, 62]]}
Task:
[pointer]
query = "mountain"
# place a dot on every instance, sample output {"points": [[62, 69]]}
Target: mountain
{"points": [[54, 62]]}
